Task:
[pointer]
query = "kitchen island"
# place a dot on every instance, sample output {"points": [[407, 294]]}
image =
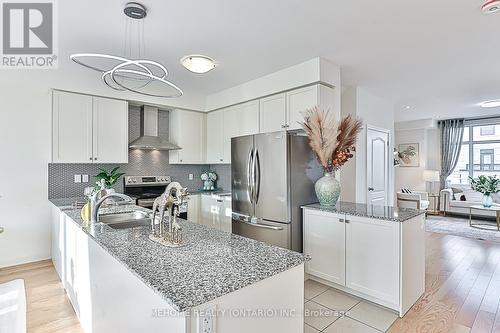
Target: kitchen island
{"points": [[374, 252], [119, 281]]}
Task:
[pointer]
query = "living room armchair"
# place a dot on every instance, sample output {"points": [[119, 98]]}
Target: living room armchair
{"points": [[415, 200]]}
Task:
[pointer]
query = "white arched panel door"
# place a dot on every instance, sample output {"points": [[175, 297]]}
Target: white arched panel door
{"points": [[377, 164]]}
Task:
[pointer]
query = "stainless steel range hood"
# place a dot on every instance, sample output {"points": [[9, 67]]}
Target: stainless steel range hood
{"points": [[149, 138]]}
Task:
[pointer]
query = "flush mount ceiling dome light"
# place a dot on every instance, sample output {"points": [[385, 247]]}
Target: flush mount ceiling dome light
{"points": [[197, 63], [138, 75], [491, 6], [491, 104]]}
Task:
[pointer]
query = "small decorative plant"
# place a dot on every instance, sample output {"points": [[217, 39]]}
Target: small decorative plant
{"points": [[109, 177], [486, 185], [209, 178]]}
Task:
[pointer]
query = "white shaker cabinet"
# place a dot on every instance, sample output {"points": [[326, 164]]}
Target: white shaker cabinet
{"points": [[71, 128], [299, 100], [285, 110], [88, 129], [380, 260], [239, 120], [110, 130], [187, 130], [272, 113], [209, 211], [215, 212], [226, 214], [325, 234], [372, 257], [215, 137], [193, 208]]}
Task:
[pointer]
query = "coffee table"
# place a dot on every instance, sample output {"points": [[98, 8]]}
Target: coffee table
{"points": [[495, 209]]}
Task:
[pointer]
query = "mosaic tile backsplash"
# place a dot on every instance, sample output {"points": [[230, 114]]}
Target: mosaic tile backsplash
{"points": [[141, 163]]}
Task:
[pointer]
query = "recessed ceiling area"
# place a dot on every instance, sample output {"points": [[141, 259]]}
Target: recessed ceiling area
{"points": [[439, 57]]}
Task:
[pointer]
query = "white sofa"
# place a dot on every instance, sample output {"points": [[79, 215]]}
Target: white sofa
{"points": [[448, 205], [415, 200]]}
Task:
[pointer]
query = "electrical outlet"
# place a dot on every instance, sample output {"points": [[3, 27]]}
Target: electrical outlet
{"points": [[85, 178], [191, 176], [206, 320], [78, 178]]}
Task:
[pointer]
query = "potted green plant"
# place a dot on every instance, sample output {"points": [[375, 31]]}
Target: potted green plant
{"points": [[109, 178], [487, 185]]}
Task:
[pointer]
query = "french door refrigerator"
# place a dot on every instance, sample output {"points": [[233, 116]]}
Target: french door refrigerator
{"points": [[272, 176]]}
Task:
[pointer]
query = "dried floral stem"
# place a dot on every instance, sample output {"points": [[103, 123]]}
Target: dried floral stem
{"points": [[333, 142]]}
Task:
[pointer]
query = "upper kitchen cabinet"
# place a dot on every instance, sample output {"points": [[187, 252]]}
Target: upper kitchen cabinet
{"points": [[215, 137], [187, 130], [110, 130], [88, 129], [239, 120], [299, 100], [285, 110], [273, 113]]}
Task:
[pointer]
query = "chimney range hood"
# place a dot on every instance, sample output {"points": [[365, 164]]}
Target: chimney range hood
{"points": [[149, 138]]}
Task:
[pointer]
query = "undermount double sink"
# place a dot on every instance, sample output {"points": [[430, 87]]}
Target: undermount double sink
{"points": [[126, 220]]}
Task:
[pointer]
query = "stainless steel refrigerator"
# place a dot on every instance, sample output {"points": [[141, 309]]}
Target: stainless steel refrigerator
{"points": [[272, 175]]}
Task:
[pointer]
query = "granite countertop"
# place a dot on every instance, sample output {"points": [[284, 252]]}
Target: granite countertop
{"points": [[387, 213], [213, 264]]}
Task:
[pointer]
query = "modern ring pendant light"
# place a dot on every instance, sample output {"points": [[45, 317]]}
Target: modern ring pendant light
{"points": [[141, 76]]}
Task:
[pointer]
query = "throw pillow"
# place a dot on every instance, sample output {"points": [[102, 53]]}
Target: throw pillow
{"points": [[456, 191], [405, 190]]}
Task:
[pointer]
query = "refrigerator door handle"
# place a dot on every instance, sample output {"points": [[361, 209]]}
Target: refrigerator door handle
{"points": [[264, 226], [250, 176], [257, 177]]}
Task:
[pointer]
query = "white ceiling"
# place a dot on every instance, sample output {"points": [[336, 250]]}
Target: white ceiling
{"points": [[440, 57]]}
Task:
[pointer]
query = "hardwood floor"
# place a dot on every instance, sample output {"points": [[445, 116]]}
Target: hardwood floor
{"points": [[462, 288], [462, 291], [48, 307]]}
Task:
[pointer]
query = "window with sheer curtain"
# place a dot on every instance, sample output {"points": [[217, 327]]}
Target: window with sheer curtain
{"points": [[479, 155]]}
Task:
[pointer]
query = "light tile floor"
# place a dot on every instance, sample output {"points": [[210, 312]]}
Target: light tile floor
{"points": [[331, 311]]}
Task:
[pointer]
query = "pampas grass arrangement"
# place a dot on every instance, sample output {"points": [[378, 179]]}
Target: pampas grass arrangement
{"points": [[332, 141]]}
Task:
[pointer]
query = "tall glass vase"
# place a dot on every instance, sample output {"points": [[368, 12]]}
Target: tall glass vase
{"points": [[327, 189]]}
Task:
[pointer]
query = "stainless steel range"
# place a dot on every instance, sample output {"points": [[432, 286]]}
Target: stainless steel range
{"points": [[145, 189]]}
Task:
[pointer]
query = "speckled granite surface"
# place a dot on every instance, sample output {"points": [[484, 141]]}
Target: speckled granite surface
{"points": [[214, 263], [378, 212]]}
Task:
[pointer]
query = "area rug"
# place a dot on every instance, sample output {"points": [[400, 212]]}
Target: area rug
{"points": [[13, 307], [459, 226]]}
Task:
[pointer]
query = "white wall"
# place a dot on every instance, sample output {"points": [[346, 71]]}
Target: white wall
{"points": [[25, 117], [426, 134], [374, 111]]}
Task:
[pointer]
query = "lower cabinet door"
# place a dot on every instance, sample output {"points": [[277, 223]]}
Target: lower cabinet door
{"points": [[193, 208], [372, 257], [324, 242]]}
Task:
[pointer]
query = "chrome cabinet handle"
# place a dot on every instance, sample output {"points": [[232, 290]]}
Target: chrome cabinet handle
{"points": [[347, 221], [90, 158], [95, 158], [370, 189], [341, 220]]}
